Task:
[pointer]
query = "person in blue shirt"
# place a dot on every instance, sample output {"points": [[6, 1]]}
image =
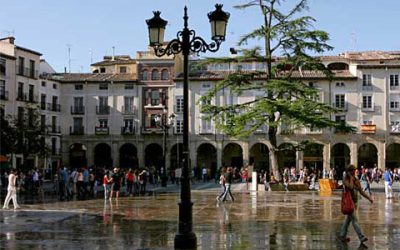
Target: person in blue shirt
{"points": [[388, 178]]}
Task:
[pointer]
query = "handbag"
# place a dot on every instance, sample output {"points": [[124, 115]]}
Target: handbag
{"points": [[347, 202]]}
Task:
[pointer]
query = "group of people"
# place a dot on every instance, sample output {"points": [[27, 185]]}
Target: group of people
{"points": [[136, 181]]}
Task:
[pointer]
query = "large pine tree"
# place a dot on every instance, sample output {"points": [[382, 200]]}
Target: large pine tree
{"points": [[289, 41]]}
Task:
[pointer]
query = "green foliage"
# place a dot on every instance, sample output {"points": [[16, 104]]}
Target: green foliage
{"points": [[297, 103], [23, 136]]}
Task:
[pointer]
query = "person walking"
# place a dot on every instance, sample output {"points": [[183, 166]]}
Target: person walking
{"points": [[365, 181], [11, 190], [352, 184], [388, 178], [129, 181], [228, 181], [222, 183], [116, 180], [106, 184]]}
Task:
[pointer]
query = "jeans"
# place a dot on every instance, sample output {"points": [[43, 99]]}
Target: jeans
{"points": [[345, 226], [388, 189], [223, 191], [227, 191]]}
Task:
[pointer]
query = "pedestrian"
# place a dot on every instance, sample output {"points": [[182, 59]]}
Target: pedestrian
{"points": [[129, 181], [116, 180], [228, 181], [222, 183], [388, 177], [286, 179], [352, 184], [106, 184], [365, 181], [136, 182], [143, 181], [11, 190]]}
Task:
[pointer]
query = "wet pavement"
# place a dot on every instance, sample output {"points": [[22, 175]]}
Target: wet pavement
{"points": [[256, 220]]}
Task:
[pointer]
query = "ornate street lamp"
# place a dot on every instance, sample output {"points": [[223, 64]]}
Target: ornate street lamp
{"points": [[165, 125], [186, 42]]}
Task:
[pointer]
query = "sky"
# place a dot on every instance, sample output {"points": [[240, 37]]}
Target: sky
{"points": [[90, 28]]}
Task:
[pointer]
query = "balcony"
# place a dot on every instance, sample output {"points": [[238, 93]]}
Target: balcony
{"points": [[394, 109], [128, 110], [103, 110], [26, 98], [76, 130], [54, 130], [128, 130], [368, 128], [341, 106], [77, 110], [3, 95], [367, 88], [101, 130], [27, 72], [394, 88], [56, 151], [22, 97], [151, 130], [54, 107], [368, 109]]}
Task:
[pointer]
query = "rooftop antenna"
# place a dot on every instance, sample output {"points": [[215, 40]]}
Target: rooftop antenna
{"points": [[91, 56], [69, 57], [353, 41]]}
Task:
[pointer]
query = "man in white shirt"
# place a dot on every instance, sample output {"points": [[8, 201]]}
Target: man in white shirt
{"points": [[11, 190]]}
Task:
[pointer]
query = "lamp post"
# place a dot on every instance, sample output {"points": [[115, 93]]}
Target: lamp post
{"points": [[186, 42], [165, 125]]}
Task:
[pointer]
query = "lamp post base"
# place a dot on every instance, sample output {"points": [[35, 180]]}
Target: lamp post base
{"points": [[185, 241]]}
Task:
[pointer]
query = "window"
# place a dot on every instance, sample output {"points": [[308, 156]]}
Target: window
{"points": [[164, 74], [103, 86], [32, 68], [21, 65], [395, 126], [103, 123], [340, 84], [367, 102], [340, 101], [2, 89], [128, 123], [129, 86], [155, 97], [2, 66], [179, 85], [394, 105], [310, 84], [31, 117], [205, 85], [31, 92], [43, 101], [102, 70], [43, 84], [54, 85], [122, 70], [367, 122], [78, 86], [179, 126], [128, 104], [20, 93], [367, 80], [54, 122], [394, 80], [145, 75], [78, 124], [205, 126], [21, 115], [103, 101], [154, 74], [179, 104], [78, 102], [43, 122]]}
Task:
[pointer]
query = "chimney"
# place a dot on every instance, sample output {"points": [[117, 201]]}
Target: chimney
{"points": [[65, 70]]}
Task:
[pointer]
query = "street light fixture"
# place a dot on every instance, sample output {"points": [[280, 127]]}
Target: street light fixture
{"points": [[165, 125], [186, 42]]}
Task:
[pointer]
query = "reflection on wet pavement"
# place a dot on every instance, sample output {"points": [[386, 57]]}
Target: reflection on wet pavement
{"points": [[255, 221]]}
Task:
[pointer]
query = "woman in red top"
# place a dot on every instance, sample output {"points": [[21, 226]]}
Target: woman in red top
{"points": [[129, 181], [106, 184]]}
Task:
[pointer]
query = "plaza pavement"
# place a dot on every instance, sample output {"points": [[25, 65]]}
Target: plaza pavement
{"points": [[256, 220]]}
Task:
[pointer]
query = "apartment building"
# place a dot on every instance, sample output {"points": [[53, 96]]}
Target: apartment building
{"points": [[129, 112], [365, 88], [20, 89]]}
